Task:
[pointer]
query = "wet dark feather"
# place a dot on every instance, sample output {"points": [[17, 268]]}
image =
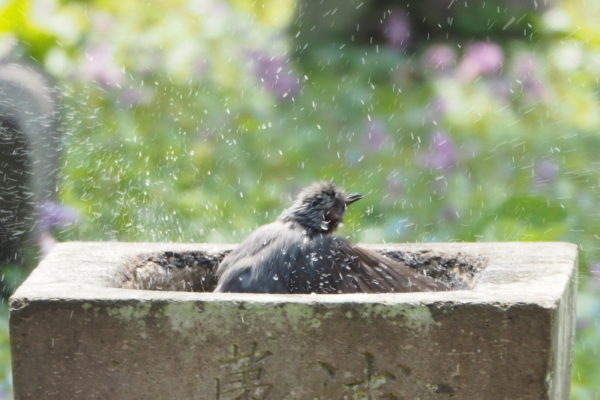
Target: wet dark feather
{"points": [[297, 254]]}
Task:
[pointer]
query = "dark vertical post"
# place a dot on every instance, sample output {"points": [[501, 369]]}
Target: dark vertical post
{"points": [[29, 150]]}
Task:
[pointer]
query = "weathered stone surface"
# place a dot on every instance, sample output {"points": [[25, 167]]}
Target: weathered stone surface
{"points": [[77, 334]]}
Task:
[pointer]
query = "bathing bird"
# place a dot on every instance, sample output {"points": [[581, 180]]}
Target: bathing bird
{"points": [[298, 253]]}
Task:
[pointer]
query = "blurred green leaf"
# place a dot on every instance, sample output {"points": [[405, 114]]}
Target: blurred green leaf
{"points": [[535, 212], [15, 19], [525, 218]]}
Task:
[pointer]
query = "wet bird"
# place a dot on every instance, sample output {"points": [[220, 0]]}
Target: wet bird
{"points": [[299, 254]]}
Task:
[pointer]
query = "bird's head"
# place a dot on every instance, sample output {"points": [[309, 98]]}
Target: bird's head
{"points": [[320, 207]]}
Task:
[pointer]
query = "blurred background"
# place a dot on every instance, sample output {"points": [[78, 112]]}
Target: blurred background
{"points": [[197, 120]]}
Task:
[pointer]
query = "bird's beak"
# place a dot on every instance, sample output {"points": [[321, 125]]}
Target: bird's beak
{"points": [[351, 198]]}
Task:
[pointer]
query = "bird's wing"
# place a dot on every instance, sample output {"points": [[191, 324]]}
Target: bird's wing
{"points": [[348, 268], [262, 262], [255, 244]]}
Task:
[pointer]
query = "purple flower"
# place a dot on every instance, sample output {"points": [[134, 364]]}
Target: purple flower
{"points": [[437, 108], [131, 97], [545, 171], [439, 57], [102, 22], [99, 66], [500, 87], [395, 184], [480, 58], [442, 153], [45, 242], [276, 75], [595, 272], [396, 29], [201, 67], [450, 213], [375, 136], [526, 67], [53, 215]]}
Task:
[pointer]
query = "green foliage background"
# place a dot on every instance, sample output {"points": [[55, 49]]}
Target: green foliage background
{"points": [[172, 132]]}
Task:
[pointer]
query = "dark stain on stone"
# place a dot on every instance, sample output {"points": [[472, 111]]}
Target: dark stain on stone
{"points": [[444, 388], [330, 369], [406, 370], [440, 311]]}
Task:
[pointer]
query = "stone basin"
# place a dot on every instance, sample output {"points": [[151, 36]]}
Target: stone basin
{"points": [[114, 320]]}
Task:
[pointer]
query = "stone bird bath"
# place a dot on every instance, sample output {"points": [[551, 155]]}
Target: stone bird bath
{"points": [[85, 325]]}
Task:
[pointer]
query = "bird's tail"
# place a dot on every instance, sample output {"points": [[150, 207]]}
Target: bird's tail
{"points": [[371, 272]]}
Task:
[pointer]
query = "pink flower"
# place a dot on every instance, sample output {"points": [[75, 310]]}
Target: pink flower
{"points": [[99, 66], [439, 57], [479, 59]]}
